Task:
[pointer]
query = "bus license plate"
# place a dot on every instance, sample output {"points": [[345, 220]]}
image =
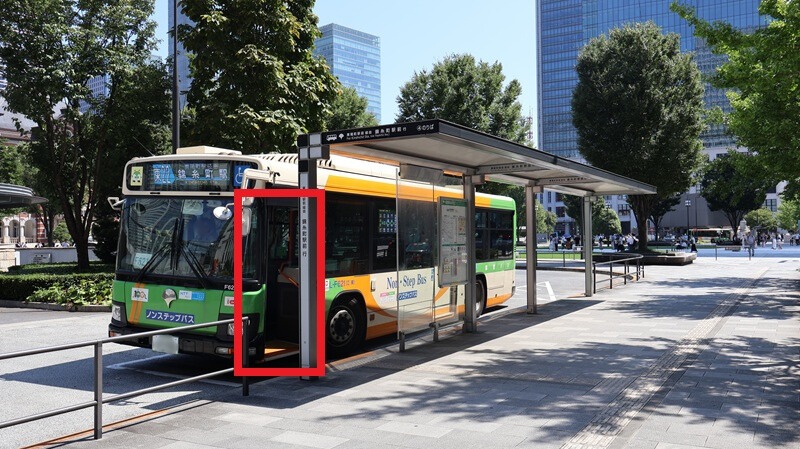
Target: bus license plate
{"points": [[165, 343]]}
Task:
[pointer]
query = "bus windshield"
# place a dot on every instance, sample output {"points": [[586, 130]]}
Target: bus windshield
{"points": [[176, 237]]}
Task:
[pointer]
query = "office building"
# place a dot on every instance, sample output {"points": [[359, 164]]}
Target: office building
{"points": [[565, 26], [355, 59], [99, 86]]}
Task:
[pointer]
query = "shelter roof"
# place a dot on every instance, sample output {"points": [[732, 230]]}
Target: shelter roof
{"points": [[442, 145], [12, 196]]}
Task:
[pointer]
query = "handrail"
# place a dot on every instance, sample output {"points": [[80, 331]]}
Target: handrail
{"points": [[99, 400], [626, 264]]}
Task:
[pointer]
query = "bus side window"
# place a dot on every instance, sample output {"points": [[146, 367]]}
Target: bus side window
{"points": [[346, 235], [384, 228]]}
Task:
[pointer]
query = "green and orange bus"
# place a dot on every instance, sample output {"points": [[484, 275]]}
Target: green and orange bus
{"points": [[175, 255]]}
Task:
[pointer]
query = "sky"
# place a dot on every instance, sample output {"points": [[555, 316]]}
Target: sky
{"points": [[415, 34]]}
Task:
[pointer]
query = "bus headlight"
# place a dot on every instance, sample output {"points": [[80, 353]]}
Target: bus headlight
{"points": [[230, 328]]}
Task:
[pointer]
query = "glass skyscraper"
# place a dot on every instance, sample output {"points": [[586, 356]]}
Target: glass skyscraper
{"points": [[355, 59], [565, 26]]}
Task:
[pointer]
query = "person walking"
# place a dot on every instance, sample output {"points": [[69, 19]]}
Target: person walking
{"points": [[750, 242]]}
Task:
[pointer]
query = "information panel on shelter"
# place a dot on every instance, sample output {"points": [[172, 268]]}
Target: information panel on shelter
{"points": [[452, 241]]}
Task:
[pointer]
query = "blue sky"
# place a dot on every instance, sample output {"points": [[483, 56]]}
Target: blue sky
{"points": [[415, 34]]}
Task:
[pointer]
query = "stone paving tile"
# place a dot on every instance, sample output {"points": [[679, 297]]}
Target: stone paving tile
{"points": [[671, 437], [309, 440], [539, 385], [433, 431]]}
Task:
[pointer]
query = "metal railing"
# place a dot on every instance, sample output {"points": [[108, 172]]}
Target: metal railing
{"points": [[626, 263], [99, 400], [567, 254]]}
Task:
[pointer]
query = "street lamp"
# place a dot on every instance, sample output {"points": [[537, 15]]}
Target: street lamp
{"points": [[688, 204]]}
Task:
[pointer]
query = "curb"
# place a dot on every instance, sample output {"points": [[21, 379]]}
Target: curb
{"points": [[49, 306]]}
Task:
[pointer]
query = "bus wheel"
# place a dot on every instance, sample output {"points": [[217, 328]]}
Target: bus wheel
{"points": [[345, 327], [480, 297]]}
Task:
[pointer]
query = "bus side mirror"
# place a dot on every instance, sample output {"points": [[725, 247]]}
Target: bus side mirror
{"points": [[115, 203], [223, 213]]}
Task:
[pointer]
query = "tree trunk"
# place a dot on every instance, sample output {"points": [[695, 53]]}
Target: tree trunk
{"points": [[641, 205], [82, 250]]}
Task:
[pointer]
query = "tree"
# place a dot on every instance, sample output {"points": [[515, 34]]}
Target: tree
{"points": [[545, 220], [788, 214], [761, 219], [50, 49], [729, 185], [638, 109], [12, 164], [466, 92], [662, 207], [349, 110], [604, 220], [142, 128], [255, 83], [761, 75]]}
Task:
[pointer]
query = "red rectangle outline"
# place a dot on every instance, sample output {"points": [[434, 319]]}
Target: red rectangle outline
{"points": [[238, 196]]}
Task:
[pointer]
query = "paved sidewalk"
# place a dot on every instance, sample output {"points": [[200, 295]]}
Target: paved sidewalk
{"points": [[706, 355]]}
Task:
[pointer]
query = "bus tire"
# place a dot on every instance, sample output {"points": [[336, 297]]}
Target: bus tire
{"points": [[345, 327], [480, 297]]}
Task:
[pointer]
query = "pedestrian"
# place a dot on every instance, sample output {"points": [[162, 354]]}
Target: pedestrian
{"points": [[750, 242]]}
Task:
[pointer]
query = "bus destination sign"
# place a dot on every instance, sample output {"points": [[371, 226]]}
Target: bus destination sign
{"points": [[189, 175]]}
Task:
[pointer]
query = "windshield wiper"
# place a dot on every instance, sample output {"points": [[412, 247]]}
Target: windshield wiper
{"points": [[194, 264], [158, 256]]}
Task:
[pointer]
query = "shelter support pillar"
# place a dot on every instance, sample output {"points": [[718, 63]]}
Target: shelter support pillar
{"points": [[587, 240], [470, 294], [307, 179], [530, 243]]}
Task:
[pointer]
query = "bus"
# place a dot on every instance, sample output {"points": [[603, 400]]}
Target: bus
{"points": [[175, 255], [712, 235]]}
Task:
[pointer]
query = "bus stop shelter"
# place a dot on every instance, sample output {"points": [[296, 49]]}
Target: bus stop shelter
{"points": [[12, 196], [478, 158]]}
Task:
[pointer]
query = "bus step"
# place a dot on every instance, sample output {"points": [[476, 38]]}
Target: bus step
{"points": [[277, 349]]}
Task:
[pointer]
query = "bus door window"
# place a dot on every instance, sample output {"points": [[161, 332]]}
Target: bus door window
{"points": [[282, 267]]}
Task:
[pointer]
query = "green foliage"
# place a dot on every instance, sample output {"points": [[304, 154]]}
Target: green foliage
{"points": [[50, 49], [463, 91], [638, 111], [106, 232], [788, 214], [22, 286], [83, 292], [729, 184], [349, 110], [604, 220], [761, 219], [660, 208], [12, 164], [256, 85], [61, 233], [761, 70], [545, 220]]}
